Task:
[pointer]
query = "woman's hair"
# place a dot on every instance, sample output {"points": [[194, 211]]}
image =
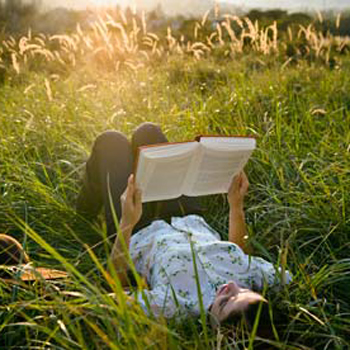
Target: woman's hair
{"points": [[258, 310], [11, 252], [246, 319]]}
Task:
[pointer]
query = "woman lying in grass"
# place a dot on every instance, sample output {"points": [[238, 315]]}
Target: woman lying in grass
{"points": [[188, 268]]}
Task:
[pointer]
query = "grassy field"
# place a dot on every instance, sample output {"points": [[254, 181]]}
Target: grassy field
{"points": [[297, 209]]}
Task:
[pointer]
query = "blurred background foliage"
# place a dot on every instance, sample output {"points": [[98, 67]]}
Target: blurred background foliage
{"points": [[16, 16]]}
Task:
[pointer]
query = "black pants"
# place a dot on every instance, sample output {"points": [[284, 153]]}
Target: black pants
{"points": [[107, 171]]}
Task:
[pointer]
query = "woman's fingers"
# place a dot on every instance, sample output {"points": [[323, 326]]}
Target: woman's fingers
{"points": [[132, 193], [238, 188], [130, 188], [236, 182], [138, 195], [128, 192], [245, 182]]}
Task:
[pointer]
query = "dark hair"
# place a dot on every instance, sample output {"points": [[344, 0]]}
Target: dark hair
{"points": [[249, 316], [11, 252]]}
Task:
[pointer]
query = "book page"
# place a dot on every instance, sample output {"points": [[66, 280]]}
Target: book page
{"points": [[162, 169], [229, 143], [219, 163]]}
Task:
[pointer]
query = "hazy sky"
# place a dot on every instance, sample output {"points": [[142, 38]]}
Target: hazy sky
{"points": [[288, 4]]}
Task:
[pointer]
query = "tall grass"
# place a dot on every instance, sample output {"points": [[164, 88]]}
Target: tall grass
{"points": [[53, 105], [115, 42]]}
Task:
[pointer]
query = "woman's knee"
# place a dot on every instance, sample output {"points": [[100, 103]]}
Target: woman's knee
{"points": [[148, 133], [111, 140]]}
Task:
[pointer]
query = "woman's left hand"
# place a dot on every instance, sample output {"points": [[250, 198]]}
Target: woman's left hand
{"points": [[131, 204], [238, 190]]}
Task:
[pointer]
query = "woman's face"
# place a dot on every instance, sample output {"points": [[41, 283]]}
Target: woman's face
{"points": [[231, 299]]}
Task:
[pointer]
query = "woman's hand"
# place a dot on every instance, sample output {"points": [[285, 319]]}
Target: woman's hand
{"points": [[237, 191], [131, 204]]}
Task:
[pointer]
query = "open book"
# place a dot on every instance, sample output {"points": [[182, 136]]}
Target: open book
{"points": [[202, 167]]}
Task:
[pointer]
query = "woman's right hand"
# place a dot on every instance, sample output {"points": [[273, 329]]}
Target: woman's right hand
{"points": [[131, 204], [238, 189]]}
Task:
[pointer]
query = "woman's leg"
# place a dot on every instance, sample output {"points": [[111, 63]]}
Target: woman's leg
{"points": [[147, 134], [107, 172]]}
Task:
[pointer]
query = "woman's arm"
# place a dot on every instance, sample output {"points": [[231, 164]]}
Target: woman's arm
{"points": [[237, 226], [131, 214]]}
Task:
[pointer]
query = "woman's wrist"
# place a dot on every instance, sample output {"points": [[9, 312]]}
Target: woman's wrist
{"points": [[237, 206], [126, 225], [121, 243]]}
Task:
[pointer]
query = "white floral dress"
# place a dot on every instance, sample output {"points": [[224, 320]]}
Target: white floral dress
{"points": [[169, 255]]}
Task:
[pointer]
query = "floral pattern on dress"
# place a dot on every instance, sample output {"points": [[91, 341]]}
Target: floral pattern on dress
{"points": [[162, 253]]}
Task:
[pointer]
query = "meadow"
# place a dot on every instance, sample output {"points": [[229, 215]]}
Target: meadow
{"points": [[291, 91]]}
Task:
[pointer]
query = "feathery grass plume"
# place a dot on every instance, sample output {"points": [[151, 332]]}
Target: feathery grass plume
{"points": [[147, 41], [219, 36], [286, 63], [253, 29], [338, 19], [15, 63], [88, 42], [145, 55], [48, 90], [72, 59], [205, 18], [67, 42], [79, 30], [235, 19], [304, 31], [263, 45], [22, 44], [12, 41], [6, 45], [197, 28], [227, 25], [49, 56], [31, 48], [40, 41], [27, 89], [170, 39], [319, 16], [201, 46], [58, 58], [274, 29], [216, 9], [153, 36], [210, 40], [154, 48]]}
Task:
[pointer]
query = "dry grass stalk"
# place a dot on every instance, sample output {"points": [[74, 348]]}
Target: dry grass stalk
{"points": [[205, 18], [219, 31], [234, 18], [319, 16], [337, 22], [15, 63], [48, 90], [217, 9], [170, 39], [197, 28], [144, 23]]}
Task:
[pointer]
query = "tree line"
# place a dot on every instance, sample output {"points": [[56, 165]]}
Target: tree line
{"points": [[17, 16]]}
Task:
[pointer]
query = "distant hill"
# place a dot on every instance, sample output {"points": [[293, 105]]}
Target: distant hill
{"points": [[168, 6], [200, 6], [292, 5], [178, 7]]}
